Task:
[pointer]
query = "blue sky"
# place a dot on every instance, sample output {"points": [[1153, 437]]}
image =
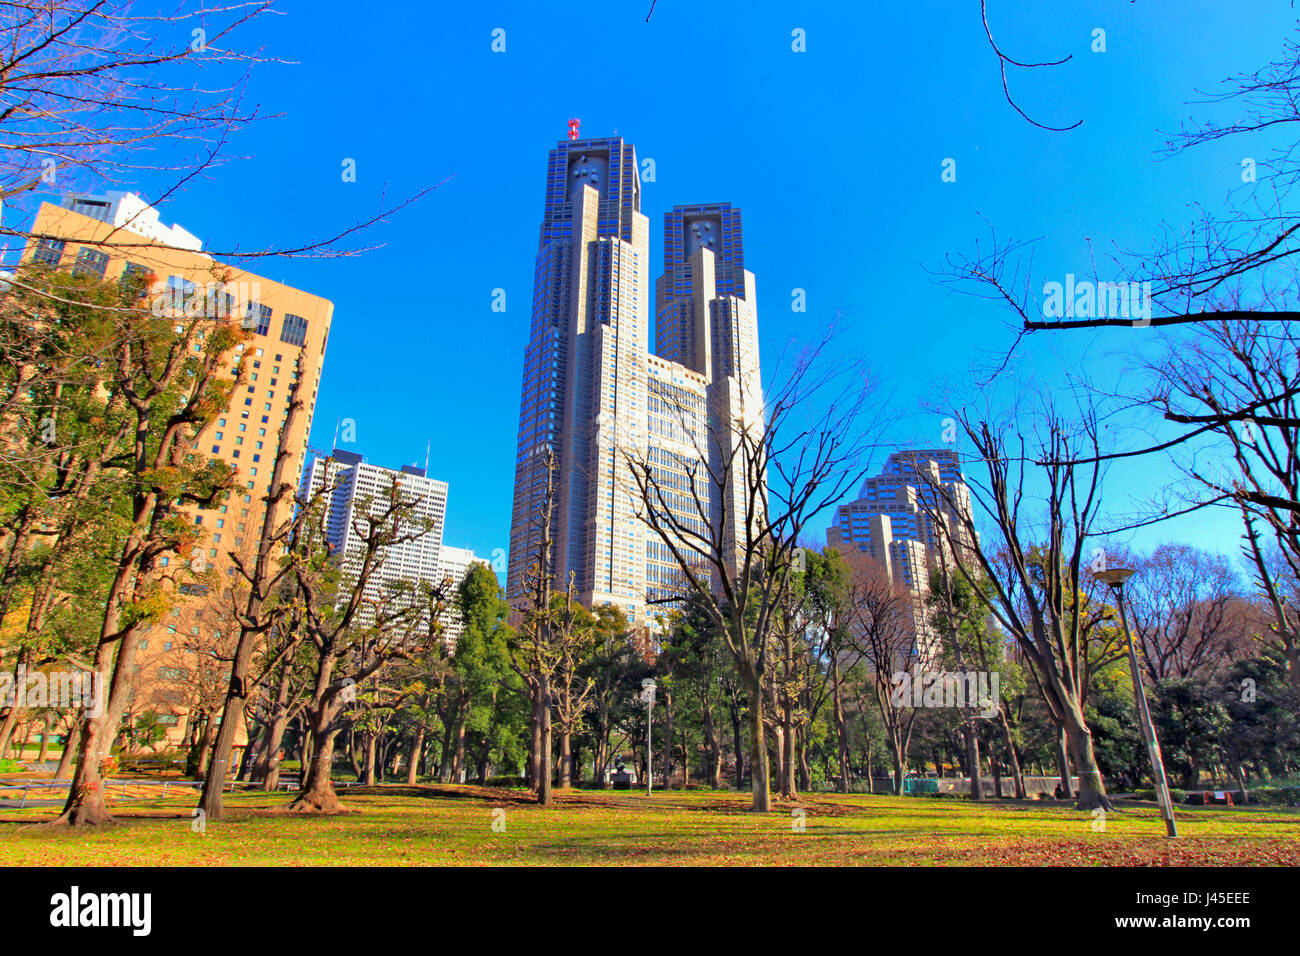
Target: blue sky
{"points": [[833, 154]]}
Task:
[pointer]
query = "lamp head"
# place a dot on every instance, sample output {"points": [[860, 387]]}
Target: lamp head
{"points": [[1114, 577]]}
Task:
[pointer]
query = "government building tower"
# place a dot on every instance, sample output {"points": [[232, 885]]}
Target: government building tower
{"points": [[595, 395]]}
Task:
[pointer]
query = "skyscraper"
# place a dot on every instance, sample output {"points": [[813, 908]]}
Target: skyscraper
{"points": [[898, 520], [352, 490], [902, 507], [594, 394]]}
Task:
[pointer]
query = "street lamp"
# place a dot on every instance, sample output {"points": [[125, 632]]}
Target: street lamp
{"points": [[1114, 579], [648, 695]]}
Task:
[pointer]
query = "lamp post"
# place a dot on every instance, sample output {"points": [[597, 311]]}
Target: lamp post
{"points": [[1114, 579], [648, 695]]}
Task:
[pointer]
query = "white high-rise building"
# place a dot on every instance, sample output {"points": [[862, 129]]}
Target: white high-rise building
{"points": [[455, 564], [354, 490]]}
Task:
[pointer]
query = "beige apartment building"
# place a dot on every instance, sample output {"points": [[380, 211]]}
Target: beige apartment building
{"points": [[110, 234]]}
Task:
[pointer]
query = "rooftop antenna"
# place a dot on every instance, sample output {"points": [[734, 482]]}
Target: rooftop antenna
{"points": [[427, 448], [574, 123]]}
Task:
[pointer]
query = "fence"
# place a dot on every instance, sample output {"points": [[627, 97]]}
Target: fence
{"points": [[129, 789]]}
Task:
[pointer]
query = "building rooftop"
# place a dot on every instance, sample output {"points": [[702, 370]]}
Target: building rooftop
{"points": [[128, 211]]}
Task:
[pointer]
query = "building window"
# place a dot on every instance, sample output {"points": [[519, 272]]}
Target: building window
{"points": [[294, 330], [49, 251], [180, 292], [90, 262], [258, 317]]}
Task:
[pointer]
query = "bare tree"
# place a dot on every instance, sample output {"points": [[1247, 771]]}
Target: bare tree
{"points": [[573, 640], [258, 612], [533, 658], [881, 629], [785, 458], [354, 627], [1041, 515], [1188, 613]]}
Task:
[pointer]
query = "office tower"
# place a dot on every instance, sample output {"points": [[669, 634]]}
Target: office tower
{"points": [[350, 490], [706, 320], [898, 519], [583, 379], [593, 393], [108, 235]]}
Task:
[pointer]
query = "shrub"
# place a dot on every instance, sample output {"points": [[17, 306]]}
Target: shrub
{"points": [[1276, 796], [1177, 796], [152, 762]]}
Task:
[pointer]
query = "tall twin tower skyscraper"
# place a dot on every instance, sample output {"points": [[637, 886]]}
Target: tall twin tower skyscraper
{"points": [[596, 395]]}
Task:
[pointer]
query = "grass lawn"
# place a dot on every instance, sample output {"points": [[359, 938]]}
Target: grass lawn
{"points": [[453, 825]]}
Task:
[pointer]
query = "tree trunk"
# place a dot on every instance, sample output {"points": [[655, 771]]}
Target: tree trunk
{"points": [[458, 759], [566, 757], [788, 757], [758, 767], [542, 718], [368, 777], [841, 725], [251, 758], [712, 749], [1017, 775], [973, 761], [20, 693], [775, 752], [358, 766], [1063, 761], [413, 758], [252, 634], [483, 759], [896, 753], [205, 749], [668, 739], [1092, 790], [738, 748], [534, 743], [304, 755], [86, 805], [600, 751], [270, 773], [70, 742], [317, 794]]}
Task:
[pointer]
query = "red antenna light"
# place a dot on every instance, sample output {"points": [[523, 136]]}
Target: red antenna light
{"points": [[573, 128]]}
